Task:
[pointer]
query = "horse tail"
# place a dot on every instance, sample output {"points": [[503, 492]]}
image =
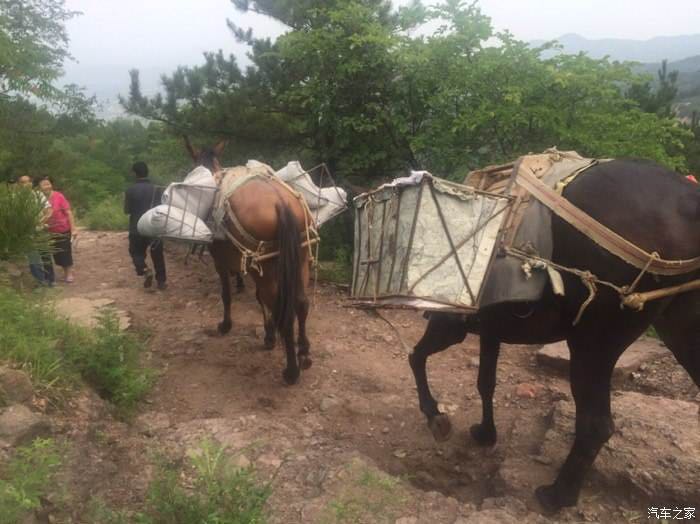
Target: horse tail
{"points": [[288, 270]]}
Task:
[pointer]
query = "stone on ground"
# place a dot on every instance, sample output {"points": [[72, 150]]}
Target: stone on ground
{"points": [[19, 425], [15, 386], [654, 452], [86, 311], [556, 356]]}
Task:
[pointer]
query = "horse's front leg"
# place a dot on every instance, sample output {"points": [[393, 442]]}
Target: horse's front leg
{"points": [[303, 341], [226, 324], [268, 323], [443, 331], [489, 348], [240, 284]]}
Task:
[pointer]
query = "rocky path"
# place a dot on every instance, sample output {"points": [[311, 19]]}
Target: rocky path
{"points": [[348, 444]]}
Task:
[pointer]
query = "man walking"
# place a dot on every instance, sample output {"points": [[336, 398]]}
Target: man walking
{"points": [[140, 197]]}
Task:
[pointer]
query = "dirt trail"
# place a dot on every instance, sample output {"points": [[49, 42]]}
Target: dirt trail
{"points": [[357, 402]]}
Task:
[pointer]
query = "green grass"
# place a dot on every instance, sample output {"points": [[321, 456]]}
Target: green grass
{"points": [[58, 354], [26, 478], [366, 496], [108, 215], [216, 493]]}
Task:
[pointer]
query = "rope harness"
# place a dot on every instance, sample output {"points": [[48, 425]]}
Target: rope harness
{"points": [[253, 251], [610, 241]]}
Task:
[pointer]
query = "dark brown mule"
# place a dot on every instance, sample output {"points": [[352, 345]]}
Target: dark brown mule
{"points": [[650, 206], [268, 212]]}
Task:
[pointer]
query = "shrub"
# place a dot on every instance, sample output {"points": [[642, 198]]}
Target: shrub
{"points": [[57, 354], [26, 478], [20, 224], [219, 494], [108, 215]]}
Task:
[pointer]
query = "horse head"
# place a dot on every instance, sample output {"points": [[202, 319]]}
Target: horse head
{"points": [[208, 156]]}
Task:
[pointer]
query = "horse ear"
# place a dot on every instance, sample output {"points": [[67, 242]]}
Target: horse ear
{"points": [[191, 150], [219, 148]]}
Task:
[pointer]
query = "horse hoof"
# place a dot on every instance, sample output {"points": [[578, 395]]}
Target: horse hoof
{"points": [[224, 327], [551, 500], [441, 427], [269, 344], [290, 377], [305, 362], [482, 435]]}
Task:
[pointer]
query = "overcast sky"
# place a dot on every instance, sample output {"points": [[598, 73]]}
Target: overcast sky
{"points": [[150, 33], [161, 34]]}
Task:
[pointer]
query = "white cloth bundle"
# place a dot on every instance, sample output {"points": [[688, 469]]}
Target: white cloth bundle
{"points": [[173, 222], [195, 194], [324, 203]]}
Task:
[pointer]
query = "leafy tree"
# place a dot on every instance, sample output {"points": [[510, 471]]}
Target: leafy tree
{"points": [[657, 98], [349, 84], [33, 46]]}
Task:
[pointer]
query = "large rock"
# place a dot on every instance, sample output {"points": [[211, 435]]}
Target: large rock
{"points": [[556, 356], [86, 311], [15, 386], [19, 425], [654, 452]]}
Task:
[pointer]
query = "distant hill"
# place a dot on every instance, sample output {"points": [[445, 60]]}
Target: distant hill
{"points": [[672, 48], [682, 53]]}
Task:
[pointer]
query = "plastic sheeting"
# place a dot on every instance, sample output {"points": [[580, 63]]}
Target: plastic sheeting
{"points": [[324, 203], [403, 250], [174, 223], [195, 194]]}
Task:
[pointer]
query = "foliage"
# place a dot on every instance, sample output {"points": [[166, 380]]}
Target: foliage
{"points": [[219, 494], [353, 84], [658, 100], [33, 46], [110, 363], [108, 215], [26, 478], [21, 231], [57, 353]]}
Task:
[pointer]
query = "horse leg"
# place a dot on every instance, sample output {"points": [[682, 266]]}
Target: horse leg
{"points": [[270, 334], [225, 325], [591, 367], [443, 331], [303, 341], [240, 285], [489, 348], [302, 314], [678, 325], [218, 253]]}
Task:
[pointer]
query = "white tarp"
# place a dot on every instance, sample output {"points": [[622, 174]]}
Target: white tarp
{"points": [[175, 223], [190, 203], [403, 251], [324, 203], [195, 194]]}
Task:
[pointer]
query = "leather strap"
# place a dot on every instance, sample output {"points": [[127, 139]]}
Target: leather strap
{"points": [[600, 234]]}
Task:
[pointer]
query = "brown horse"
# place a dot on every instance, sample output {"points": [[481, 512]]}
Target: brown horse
{"points": [[268, 212], [648, 205]]}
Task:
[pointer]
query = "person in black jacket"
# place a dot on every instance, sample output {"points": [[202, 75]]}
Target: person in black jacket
{"points": [[140, 197]]}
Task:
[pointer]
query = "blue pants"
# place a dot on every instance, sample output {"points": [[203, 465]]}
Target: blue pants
{"points": [[41, 268]]}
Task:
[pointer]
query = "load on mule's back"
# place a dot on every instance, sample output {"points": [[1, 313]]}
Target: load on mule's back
{"points": [[624, 240], [268, 231]]}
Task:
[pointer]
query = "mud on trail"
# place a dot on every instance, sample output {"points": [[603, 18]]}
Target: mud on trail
{"points": [[353, 416]]}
